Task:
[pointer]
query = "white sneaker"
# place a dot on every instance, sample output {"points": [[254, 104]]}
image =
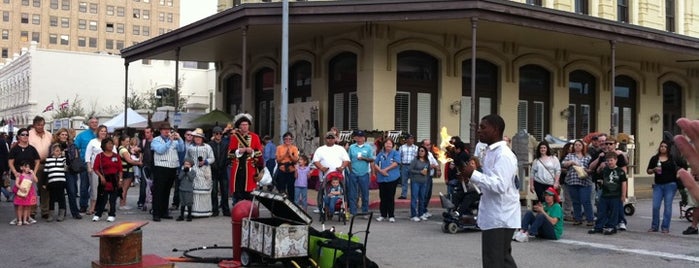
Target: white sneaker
{"points": [[317, 211], [391, 219], [95, 218], [416, 219], [621, 226], [31, 221], [521, 237], [111, 219], [424, 217], [13, 222], [125, 207], [380, 218], [427, 214]]}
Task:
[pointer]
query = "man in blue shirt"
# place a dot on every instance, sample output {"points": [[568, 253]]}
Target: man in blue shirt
{"points": [[81, 141], [361, 156]]}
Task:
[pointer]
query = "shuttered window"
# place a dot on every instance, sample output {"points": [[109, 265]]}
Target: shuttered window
{"points": [[264, 96], [571, 121], [522, 119], [424, 116], [625, 104], [402, 111], [339, 109], [353, 110], [343, 84], [539, 121], [582, 92], [534, 89], [484, 108]]}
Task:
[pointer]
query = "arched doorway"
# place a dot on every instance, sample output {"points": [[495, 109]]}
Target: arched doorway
{"points": [[534, 95], [300, 82], [233, 94], [672, 106], [487, 77], [343, 103], [416, 101], [625, 104], [581, 99], [264, 98]]}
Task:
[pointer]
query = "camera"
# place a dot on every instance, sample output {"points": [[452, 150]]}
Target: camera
{"points": [[200, 159], [186, 169]]}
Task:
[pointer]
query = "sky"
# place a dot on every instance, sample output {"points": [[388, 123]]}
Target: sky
{"points": [[194, 10]]}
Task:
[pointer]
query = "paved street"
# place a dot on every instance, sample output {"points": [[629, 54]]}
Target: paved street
{"points": [[402, 244]]}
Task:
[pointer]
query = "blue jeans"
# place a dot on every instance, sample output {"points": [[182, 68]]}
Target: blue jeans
{"points": [[84, 189], [301, 197], [404, 175], [330, 202], [417, 198], [357, 184], [145, 173], [537, 225], [72, 190], [581, 201], [608, 209], [663, 193]]}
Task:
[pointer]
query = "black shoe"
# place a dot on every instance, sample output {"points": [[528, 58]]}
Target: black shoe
{"points": [[140, 206], [167, 217], [189, 218], [402, 197], [226, 214], [594, 231], [156, 218], [609, 231], [214, 214], [45, 216], [77, 217], [180, 218], [690, 230], [83, 210]]}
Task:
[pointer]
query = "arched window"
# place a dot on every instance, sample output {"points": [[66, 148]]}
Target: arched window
{"points": [[416, 95], [264, 98], [233, 94], [581, 105], [343, 101], [487, 78], [300, 82], [534, 90], [672, 106], [165, 96], [625, 104]]}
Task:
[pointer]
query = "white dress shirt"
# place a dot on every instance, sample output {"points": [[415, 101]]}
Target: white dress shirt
{"points": [[499, 206]]}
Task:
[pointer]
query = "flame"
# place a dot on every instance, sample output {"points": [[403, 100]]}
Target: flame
{"points": [[443, 145]]}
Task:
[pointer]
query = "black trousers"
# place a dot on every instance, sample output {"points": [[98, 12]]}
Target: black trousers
{"points": [[387, 195], [220, 180], [163, 179], [57, 194], [102, 198], [285, 183], [497, 248]]}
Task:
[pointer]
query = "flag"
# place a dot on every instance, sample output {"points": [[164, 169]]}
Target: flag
{"points": [[64, 105], [48, 108]]}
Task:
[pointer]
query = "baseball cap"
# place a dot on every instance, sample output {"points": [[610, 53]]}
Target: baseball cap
{"points": [[330, 135]]}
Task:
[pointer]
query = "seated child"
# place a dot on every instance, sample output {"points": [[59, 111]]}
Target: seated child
{"points": [[333, 195]]}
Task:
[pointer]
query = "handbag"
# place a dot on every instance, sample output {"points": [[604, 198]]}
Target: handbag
{"points": [[581, 172], [109, 186], [76, 164], [24, 188]]}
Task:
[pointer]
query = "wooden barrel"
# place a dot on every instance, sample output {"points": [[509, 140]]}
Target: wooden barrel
{"points": [[121, 250]]}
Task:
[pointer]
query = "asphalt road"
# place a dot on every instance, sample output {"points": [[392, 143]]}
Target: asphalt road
{"points": [[400, 244]]}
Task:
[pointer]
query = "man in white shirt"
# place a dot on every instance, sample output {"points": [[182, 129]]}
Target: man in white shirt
{"points": [[331, 157], [408, 152], [499, 209]]}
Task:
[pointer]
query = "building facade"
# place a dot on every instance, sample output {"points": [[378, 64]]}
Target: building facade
{"points": [[564, 68], [83, 25], [42, 78]]}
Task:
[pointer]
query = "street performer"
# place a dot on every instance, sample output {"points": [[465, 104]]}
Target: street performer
{"points": [[245, 152]]}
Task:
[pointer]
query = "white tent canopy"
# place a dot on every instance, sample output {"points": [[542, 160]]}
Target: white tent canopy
{"points": [[133, 120], [6, 129]]}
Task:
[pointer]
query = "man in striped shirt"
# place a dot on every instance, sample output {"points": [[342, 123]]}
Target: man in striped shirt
{"points": [[408, 151], [165, 148]]}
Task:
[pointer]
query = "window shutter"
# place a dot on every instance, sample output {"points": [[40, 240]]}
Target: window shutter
{"points": [[538, 120], [424, 116], [585, 119], [338, 111], [465, 120], [484, 107], [571, 121], [402, 111], [627, 120], [522, 116], [353, 111]]}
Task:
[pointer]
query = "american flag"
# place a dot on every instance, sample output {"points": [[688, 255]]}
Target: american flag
{"points": [[48, 108], [64, 105]]}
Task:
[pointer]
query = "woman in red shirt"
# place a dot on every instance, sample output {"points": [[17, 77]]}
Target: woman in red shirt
{"points": [[108, 168]]}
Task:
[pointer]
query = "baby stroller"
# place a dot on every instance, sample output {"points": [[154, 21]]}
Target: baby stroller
{"points": [[340, 204], [461, 207]]}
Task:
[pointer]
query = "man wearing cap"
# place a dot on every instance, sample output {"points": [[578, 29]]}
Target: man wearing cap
{"points": [[544, 221], [408, 151], [166, 161], [219, 146], [245, 148], [608, 145], [361, 156], [331, 157]]}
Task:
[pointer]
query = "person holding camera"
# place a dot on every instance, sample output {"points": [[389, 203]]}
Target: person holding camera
{"points": [[204, 156], [287, 156], [186, 178], [165, 159]]}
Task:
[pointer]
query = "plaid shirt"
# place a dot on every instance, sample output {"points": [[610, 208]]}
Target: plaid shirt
{"points": [[407, 153], [572, 176]]}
